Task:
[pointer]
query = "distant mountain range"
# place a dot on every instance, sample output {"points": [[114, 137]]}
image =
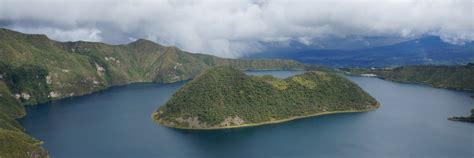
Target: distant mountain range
{"points": [[423, 51]]}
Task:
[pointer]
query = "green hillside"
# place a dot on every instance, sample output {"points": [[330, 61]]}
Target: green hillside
{"points": [[460, 77], [63, 69], [35, 69], [13, 141], [18, 144], [224, 97]]}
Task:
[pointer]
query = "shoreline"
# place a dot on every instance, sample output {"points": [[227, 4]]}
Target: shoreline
{"points": [[374, 107], [107, 87], [412, 82]]}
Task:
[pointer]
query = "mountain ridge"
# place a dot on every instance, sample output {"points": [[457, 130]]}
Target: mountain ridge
{"points": [[425, 50]]}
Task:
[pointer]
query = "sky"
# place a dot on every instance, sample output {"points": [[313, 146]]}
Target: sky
{"points": [[232, 28]]}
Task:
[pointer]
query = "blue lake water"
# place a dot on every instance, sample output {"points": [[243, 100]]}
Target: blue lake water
{"points": [[411, 122]]}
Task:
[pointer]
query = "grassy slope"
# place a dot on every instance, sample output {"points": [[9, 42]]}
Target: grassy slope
{"points": [[73, 68], [39, 70], [223, 93], [18, 144], [13, 141]]}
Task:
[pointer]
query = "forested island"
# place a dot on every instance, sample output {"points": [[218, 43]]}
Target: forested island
{"points": [[224, 97], [35, 69]]}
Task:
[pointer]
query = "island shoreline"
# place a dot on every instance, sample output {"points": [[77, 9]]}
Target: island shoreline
{"points": [[154, 114]]}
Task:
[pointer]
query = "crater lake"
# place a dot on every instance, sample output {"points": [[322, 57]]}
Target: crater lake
{"points": [[411, 122]]}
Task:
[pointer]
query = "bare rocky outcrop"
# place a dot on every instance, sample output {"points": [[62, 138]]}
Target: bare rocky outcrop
{"points": [[48, 79], [100, 69], [17, 96], [25, 96], [232, 121], [195, 123], [192, 122], [53, 94], [112, 59]]}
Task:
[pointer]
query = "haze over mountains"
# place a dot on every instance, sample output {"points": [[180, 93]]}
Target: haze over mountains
{"points": [[425, 50]]}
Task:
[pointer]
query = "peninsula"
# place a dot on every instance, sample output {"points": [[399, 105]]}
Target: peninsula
{"points": [[464, 119], [458, 77]]}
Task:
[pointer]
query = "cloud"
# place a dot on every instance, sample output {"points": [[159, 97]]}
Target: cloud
{"points": [[231, 28], [85, 34]]}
